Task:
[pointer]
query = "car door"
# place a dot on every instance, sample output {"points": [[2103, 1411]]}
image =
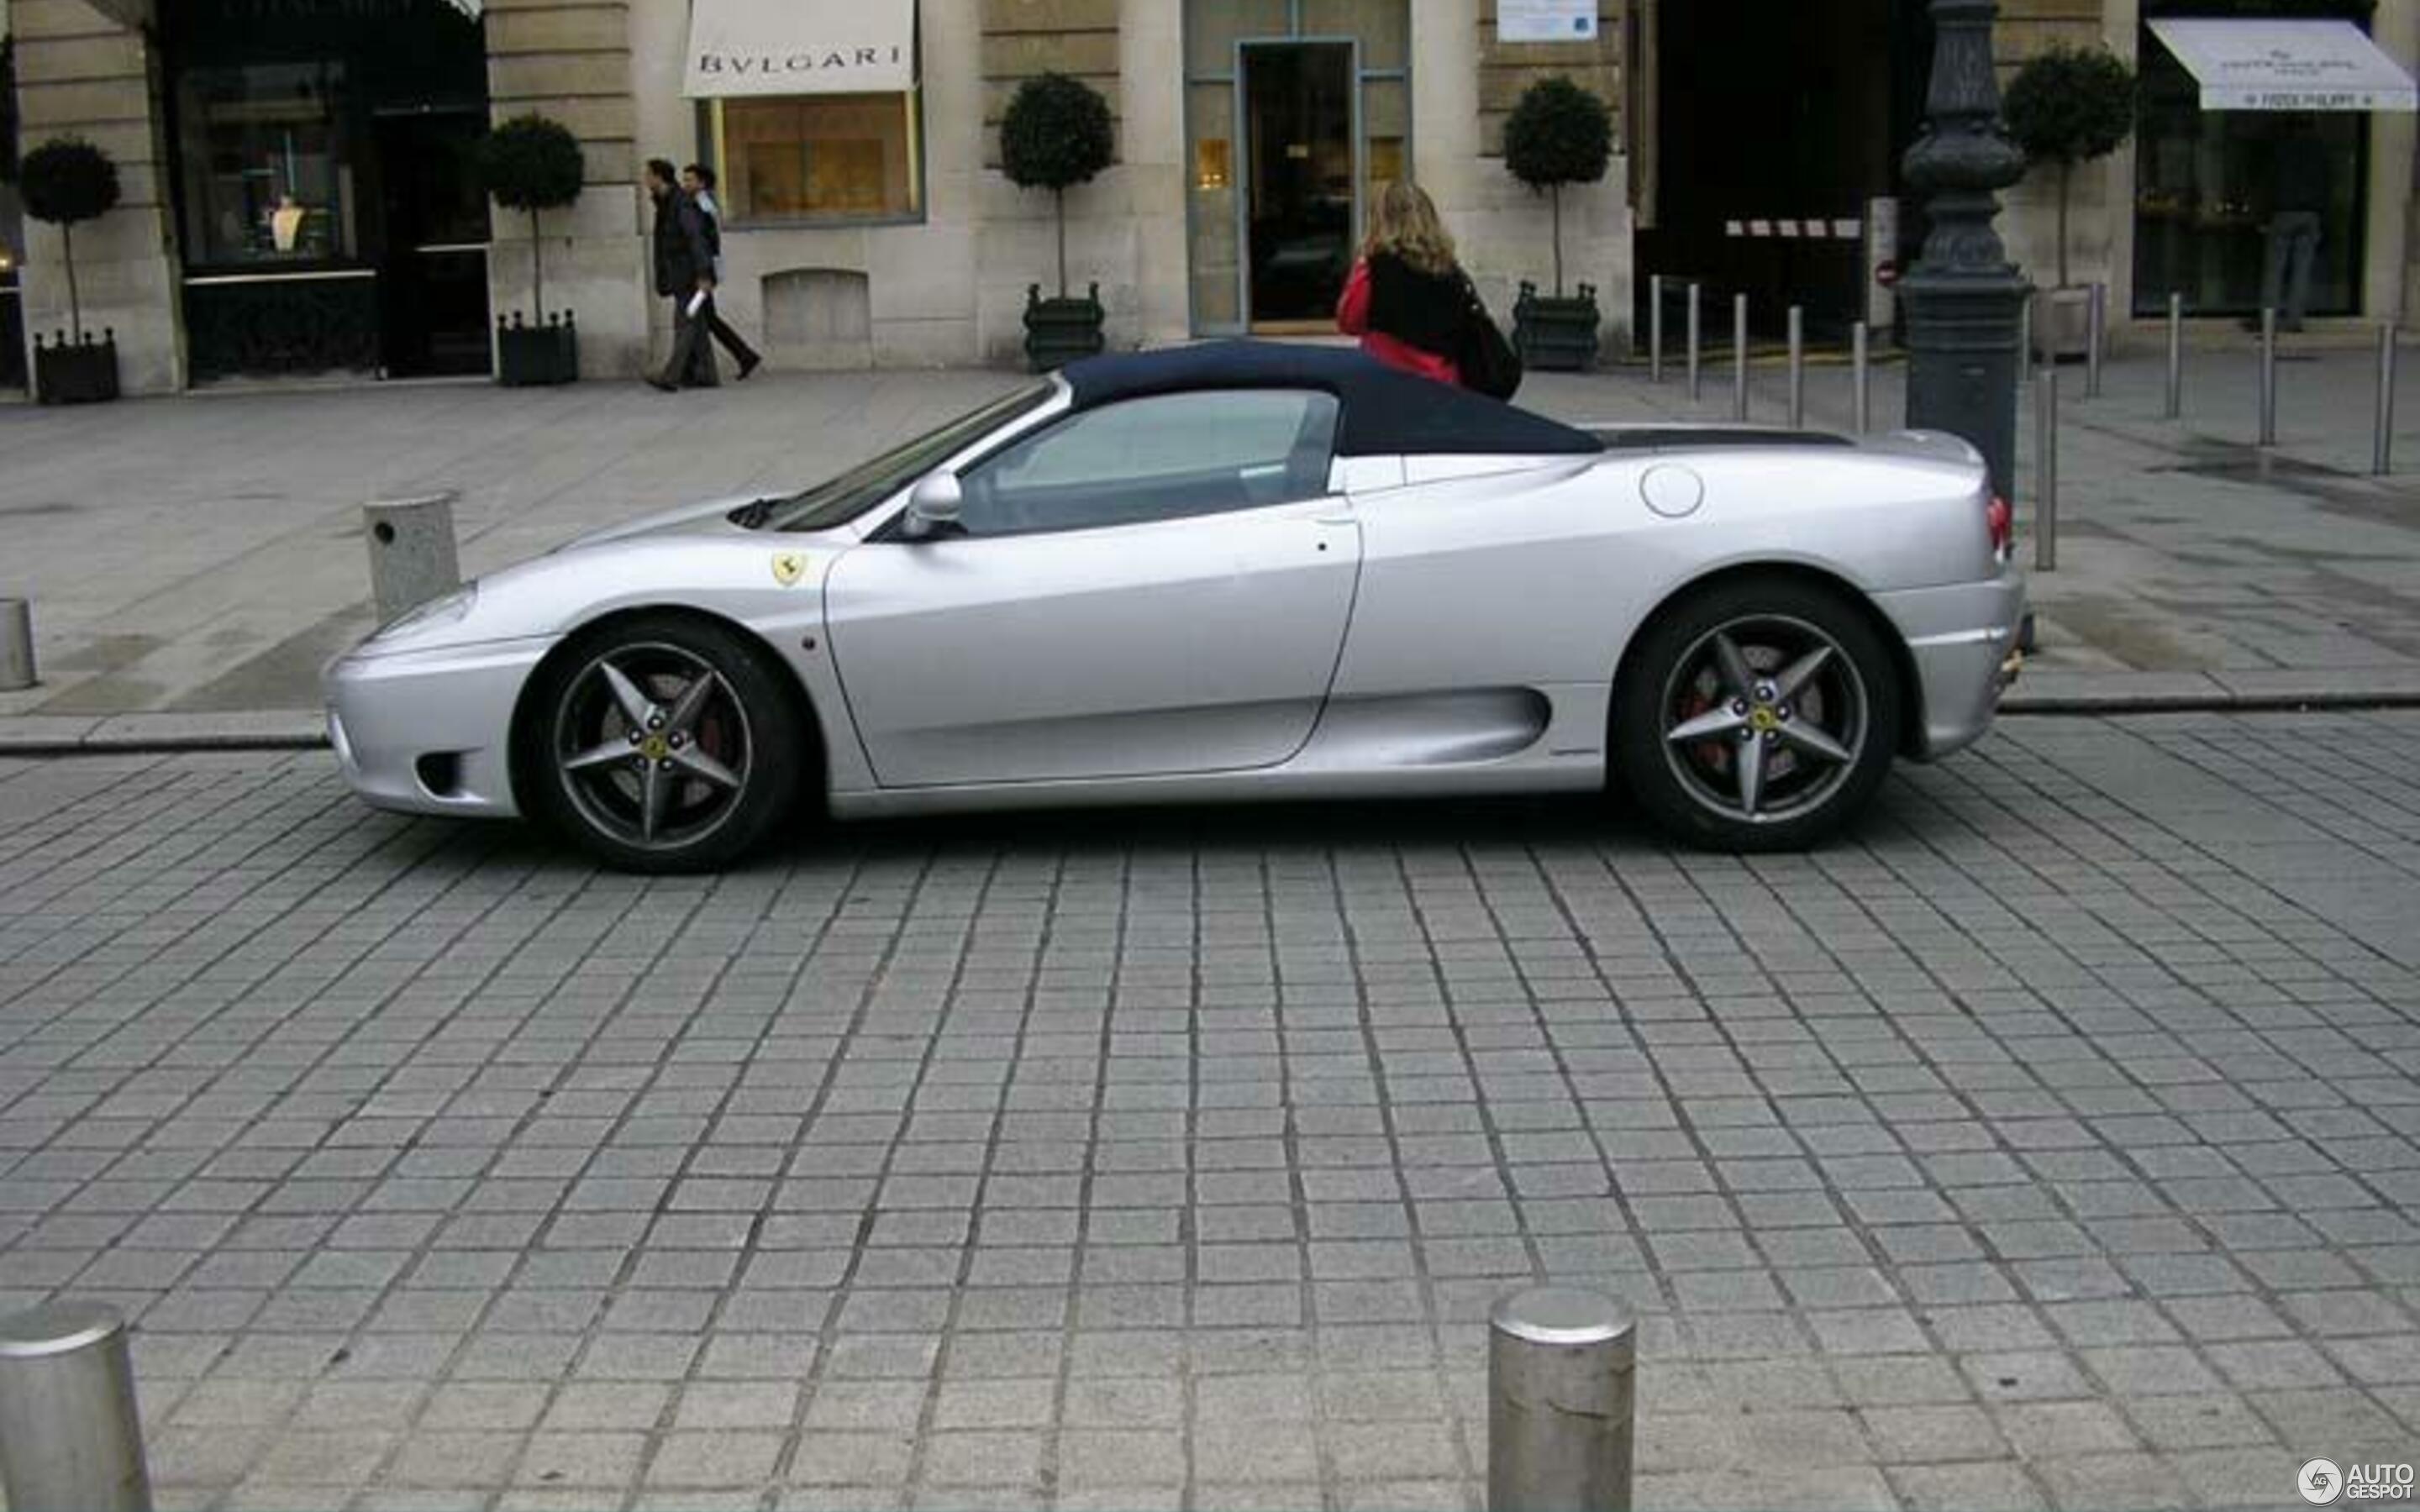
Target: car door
{"points": [[1155, 586]]}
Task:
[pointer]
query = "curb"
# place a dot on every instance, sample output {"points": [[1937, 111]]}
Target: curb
{"points": [[2049, 696], [2223, 691], [2117, 705], [161, 733]]}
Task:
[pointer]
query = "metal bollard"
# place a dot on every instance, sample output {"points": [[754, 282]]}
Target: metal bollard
{"points": [[1561, 1368], [2096, 335], [1739, 357], [1797, 368], [1693, 344], [2267, 384], [2381, 450], [1655, 328], [2046, 469], [412, 551], [2025, 330], [71, 1440], [1861, 391], [16, 645], [2176, 405]]}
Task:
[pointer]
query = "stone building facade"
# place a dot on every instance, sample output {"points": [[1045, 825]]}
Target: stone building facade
{"points": [[294, 199]]}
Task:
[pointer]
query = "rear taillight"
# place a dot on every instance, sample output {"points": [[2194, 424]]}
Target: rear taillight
{"points": [[2002, 522]]}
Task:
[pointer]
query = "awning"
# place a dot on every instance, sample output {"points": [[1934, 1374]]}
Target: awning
{"points": [[2286, 65], [800, 47]]}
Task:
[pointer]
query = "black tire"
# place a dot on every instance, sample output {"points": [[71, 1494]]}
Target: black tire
{"points": [[588, 765], [1677, 677]]}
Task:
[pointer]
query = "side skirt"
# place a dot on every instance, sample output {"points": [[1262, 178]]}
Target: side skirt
{"points": [[1415, 745]]}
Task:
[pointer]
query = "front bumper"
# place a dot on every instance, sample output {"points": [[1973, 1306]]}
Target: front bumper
{"points": [[430, 731], [1962, 640]]}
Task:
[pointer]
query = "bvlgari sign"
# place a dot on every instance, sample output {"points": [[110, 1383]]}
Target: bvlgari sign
{"points": [[800, 47]]}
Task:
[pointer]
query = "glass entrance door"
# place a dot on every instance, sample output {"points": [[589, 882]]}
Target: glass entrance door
{"points": [[433, 264], [1300, 177], [1293, 111]]}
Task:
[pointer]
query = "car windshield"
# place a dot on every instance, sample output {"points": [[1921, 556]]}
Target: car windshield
{"points": [[839, 500]]}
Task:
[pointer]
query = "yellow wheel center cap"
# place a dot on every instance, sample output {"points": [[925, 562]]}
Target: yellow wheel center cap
{"points": [[653, 748], [1763, 720]]}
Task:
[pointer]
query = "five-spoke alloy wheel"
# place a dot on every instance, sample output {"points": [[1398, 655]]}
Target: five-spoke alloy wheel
{"points": [[661, 744], [1758, 714]]}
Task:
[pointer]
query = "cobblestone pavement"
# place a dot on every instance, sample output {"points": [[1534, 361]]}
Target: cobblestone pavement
{"points": [[2056, 1142]]}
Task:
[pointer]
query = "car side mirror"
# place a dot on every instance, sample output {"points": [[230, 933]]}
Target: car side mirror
{"points": [[933, 507]]}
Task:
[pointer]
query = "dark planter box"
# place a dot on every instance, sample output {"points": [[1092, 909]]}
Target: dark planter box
{"points": [[527, 356], [1555, 334], [84, 372], [1059, 331]]}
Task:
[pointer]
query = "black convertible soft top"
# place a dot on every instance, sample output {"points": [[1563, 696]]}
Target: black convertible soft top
{"points": [[1383, 412]]}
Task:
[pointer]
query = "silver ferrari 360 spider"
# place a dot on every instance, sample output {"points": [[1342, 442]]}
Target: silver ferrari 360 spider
{"points": [[1230, 571]]}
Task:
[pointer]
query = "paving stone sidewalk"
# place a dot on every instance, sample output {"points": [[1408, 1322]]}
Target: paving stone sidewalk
{"points": [[2054, 1142], [201, 556]]}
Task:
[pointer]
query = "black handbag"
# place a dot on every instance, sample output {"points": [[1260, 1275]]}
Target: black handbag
{"points": [[1487, 363]]}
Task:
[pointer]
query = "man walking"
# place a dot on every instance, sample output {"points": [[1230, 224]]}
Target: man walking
{"points": [[697, 181], [685, 275], [2298, 199]]}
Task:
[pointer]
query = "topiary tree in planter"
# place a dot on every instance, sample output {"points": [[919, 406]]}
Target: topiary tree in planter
{"points": [[534, 165], [1056, 133], [64, 181], [2070, 105], [1558, 133]]}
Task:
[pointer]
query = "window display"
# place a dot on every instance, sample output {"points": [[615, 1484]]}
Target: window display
{"points": [[820, 157], [265, 163]]}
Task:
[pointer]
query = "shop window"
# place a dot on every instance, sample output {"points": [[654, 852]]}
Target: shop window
{"points": [[820, 157], [12, 213], [12, 234], [1213, 163], [265, 166], [12, 321], [2215, 190], [2211, 185]]}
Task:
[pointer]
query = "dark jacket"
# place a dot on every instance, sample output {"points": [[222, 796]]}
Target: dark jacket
{"points": [[1423, 309], [2300, 170], [683, 252]]}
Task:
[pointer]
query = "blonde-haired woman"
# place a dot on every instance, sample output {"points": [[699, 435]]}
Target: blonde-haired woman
{"points": [[1406, 296]]}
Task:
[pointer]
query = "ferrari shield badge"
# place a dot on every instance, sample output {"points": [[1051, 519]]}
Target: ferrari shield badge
{"points": [[788, 566]]}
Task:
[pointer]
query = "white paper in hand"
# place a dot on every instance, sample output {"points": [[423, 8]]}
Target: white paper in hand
{"points": [[696, 302]]}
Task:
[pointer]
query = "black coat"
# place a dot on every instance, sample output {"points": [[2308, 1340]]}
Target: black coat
{"points": [[1422, 309], [683, 252]]}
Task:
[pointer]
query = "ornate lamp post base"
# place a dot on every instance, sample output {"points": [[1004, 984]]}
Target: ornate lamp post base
{"points": [[1964, 300], [1963, 362]]}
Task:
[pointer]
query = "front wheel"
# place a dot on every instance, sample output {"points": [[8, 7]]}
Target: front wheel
{"points": [[661, 744], [1757, 715]]}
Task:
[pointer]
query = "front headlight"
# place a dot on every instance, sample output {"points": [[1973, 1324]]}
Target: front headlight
{"points": [[445, 609]]}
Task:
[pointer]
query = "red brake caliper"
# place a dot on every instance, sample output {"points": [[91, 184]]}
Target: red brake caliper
{"points": [[1714, 755]]}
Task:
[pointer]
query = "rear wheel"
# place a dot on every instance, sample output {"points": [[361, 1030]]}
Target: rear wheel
{"points": [[662, 744], [1758, 715]]}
